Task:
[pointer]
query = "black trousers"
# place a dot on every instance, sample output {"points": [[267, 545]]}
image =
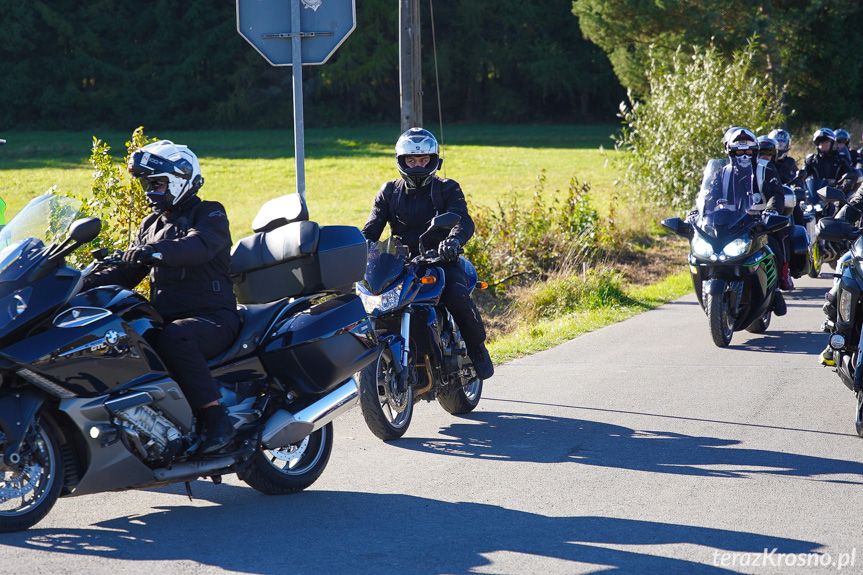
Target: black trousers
{"points": [[457, 300], [186, 344]]}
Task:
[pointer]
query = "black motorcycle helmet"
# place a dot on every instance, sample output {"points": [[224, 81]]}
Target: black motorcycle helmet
{"points": [[824, 135], [767, 148]]}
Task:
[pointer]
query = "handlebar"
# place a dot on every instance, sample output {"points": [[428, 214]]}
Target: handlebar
{"points": [[430, 257]]}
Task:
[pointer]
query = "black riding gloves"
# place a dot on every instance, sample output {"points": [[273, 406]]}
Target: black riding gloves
{"points": [[448, 249], [139, 255]]}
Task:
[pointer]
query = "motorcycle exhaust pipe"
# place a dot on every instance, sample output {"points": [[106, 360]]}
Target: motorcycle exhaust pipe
{"points": [[193, 469], [285, 428]]}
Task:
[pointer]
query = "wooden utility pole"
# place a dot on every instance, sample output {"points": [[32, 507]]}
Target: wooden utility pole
{"points": [[410, 65]]}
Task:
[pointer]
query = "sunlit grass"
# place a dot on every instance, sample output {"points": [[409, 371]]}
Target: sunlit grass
{"points": [[344, 167]]}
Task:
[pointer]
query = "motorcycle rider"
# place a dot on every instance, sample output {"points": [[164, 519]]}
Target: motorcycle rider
{"points": [[408, 205], [825, 163], [785, 164], [843, 140], [190, 283]]}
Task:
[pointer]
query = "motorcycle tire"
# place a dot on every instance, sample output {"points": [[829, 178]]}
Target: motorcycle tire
{"points": [[761, 324], [815, 260], [28, 495], [387, 410], [462, 400], [859, 422], [721, 322], [290, 469]]}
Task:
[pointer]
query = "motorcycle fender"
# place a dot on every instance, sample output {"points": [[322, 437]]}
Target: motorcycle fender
{"points": [[16, 415], [714, 286], [392, 348]]}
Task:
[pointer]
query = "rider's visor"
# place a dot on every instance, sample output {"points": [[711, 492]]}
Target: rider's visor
{"points": [[153, 184], [143, 164]]}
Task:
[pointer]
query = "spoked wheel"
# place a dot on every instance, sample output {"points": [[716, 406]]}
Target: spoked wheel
{"points": [[386, 409], [293, 468], [859, 423], [462, 400], [721, 322], [816, 259], [761, 324], [29, 489]]}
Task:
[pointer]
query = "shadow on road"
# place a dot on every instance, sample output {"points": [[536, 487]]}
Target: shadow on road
{"points": [[517, 437], [350, 532], [798, 342]]}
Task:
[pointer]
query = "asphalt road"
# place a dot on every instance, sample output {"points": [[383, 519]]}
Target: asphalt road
{"points": [[639, 448]]}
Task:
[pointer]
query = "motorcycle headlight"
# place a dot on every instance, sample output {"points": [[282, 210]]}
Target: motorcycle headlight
{"points": [[701, 248], [381, 303], [737, 247], [845, 301]]}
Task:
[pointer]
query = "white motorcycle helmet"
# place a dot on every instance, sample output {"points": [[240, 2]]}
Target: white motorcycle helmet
{"points": [[161, 162], [417, 142]]}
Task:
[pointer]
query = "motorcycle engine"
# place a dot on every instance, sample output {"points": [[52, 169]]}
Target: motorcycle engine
{"points": [[148, 432]]}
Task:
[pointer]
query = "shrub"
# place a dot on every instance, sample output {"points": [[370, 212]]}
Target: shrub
{"points": [[119, 202], [672, 134], [514, 240], [572, 292]]}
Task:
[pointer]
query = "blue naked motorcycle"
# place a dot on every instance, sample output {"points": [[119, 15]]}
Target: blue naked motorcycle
{"points": [[423, 354]]}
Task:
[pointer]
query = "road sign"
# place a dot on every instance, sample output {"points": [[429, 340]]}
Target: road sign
{"points": [[324, 25]]}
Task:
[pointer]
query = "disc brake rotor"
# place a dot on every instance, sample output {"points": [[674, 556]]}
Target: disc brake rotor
{"points": [[291, 452], [14, 485]]}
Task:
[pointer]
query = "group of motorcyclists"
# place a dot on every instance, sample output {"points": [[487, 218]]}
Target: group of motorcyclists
{"points": [[763, 165]]}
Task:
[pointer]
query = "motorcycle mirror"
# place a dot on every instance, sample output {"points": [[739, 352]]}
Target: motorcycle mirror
{"points": [[85, 230], [678, 226], [445, 221], [834, 230], [776, 223], [831, 194]]}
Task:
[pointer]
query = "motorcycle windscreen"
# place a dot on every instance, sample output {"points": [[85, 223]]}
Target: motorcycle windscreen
{"points": [[725, 196], [386, 261]]}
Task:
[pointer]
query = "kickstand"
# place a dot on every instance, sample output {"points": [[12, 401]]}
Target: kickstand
{"points": [[189, 490]]}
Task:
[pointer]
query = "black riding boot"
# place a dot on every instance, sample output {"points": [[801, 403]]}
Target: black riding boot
{"points": [[216, 431], [481, 361]]}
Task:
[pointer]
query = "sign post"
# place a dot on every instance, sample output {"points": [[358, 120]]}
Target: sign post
{"points": [[317, 29]]}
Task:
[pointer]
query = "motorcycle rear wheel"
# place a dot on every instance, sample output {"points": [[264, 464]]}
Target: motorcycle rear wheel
{"points": [[761, 324], [28, 493], [721, 322], [291, 469], [387, 410], [462, 400]]}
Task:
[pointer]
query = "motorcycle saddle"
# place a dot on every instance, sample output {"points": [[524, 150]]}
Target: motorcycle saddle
{"points": [[254, 321]]}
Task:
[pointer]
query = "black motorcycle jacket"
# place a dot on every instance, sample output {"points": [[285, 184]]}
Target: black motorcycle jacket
{"points": [[830, 166], [408, 211], [771, 188], [193, 277], [787, 168]]}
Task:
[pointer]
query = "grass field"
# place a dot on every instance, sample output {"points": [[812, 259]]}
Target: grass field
{"points": [[344, 167]]}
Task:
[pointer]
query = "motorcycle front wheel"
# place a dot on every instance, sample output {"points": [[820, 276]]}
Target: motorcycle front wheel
{"points": [[291, 469], [387, 410], [721, 322], [859, 423], [816, 259], [30, 489]]}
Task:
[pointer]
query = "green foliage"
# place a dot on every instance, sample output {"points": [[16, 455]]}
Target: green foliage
{"points": [[513, 240], [119, 202], [671, 135], [182, 65], [804, 44], [571, 293]]}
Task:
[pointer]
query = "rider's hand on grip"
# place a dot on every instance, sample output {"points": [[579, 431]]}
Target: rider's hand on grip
{"points": [[139, 255], [448, 249]]}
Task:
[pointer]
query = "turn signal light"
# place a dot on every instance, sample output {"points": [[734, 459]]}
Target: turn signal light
{"points": [[483, 285], [429, 279]]}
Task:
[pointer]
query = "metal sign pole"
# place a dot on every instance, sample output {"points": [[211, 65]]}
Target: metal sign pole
{"points": [[297, 69]]}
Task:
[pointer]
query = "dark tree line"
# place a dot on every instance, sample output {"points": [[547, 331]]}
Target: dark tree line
{"points": [[76, 64]]}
